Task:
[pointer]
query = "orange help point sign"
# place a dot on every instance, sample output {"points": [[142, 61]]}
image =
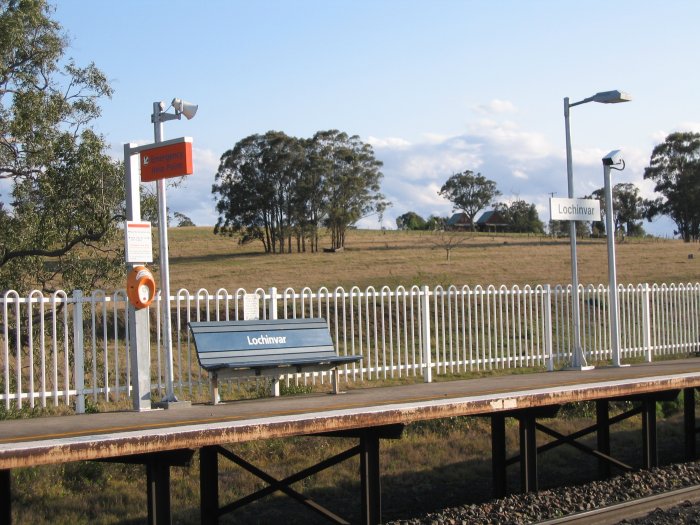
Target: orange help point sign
{"points": [[163, 162]]}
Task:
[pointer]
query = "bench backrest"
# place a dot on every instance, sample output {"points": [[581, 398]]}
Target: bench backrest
{"points": [[243, 343]]}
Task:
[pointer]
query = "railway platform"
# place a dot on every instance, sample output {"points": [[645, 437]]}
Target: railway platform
{"points": [[161, 439]]}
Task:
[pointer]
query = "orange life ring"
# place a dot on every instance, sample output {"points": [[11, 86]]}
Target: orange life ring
{"points": [[140, 287]]}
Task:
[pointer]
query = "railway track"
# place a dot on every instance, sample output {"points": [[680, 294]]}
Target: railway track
{"points": [[628, 510]]}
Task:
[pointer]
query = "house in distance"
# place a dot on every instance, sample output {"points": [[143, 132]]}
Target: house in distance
{"points": [[489, 221]]}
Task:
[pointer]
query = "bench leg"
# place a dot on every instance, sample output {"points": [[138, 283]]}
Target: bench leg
{"points": [[215, 389], [335, 380], [276, 386]]}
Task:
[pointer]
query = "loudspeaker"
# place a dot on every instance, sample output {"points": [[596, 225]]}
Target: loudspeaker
{"points": [[186, 108]]}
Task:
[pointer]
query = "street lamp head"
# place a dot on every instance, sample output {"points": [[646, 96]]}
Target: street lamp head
{"points": [[611, 97], [182, 107]]}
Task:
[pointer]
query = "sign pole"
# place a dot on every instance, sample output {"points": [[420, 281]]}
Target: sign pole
{"points": [[139, 335]]}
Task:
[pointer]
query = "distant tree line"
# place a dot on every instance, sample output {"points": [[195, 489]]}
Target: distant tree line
{"points": [[412, 221], [674, 167], [470, 193], [281, 190]]}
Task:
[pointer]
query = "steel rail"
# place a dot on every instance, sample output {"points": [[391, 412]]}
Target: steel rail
{"points": [[638, 508]]}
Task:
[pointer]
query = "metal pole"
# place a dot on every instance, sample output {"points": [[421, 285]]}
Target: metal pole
{"points": [[164, 264], [578, 359], [612, 272]]}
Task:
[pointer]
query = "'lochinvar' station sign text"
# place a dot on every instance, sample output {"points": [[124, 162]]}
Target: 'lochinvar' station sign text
{"points": [[574, 209]]}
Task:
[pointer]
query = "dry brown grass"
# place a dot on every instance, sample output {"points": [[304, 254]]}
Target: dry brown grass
{"points": [[436, 464], [200, 259]]}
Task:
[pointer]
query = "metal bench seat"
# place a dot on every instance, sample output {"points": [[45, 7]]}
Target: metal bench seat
{"points": [[266, 348]]}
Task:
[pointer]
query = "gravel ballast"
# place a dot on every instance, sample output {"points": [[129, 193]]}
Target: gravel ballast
{"points": [[534, 507]]}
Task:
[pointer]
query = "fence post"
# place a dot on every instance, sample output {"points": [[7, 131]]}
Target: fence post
{"points": [[78, 352], [427, 352], [272, 306], [548, 350], [646, 321]]}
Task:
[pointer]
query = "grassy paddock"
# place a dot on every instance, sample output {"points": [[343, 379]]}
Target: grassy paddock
{"points": [[200, 259], [437, 463]]}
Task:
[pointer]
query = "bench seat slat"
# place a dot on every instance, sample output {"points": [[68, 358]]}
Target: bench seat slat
{"points": [[328, 362], [235, 353], [246, 326], [274, 358], [277, 361]]}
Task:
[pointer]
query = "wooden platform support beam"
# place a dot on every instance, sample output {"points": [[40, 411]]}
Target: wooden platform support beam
{"points": [[209, 484], [528, 452], [158, 491], [498, 455], [370, 479], [691, 430], [602, 412], [650, 450], [5, 497]]}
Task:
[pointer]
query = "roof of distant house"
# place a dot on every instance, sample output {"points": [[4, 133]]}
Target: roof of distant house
{"points": [[457, 218], [491, 217]]}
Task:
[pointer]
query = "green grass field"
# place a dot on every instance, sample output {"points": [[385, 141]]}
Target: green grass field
{"points": [[436, 464]]}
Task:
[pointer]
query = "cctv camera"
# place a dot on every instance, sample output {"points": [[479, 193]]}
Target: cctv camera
{"points": [[612, 158]]}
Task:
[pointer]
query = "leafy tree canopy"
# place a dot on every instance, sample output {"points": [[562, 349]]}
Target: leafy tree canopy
{"points": [[628, 208], [675, 169], [410, 221], [520, 216], [65, 195], [275, 188], [183, 220], [469, 193]]}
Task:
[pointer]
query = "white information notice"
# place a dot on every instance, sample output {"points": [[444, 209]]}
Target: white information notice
{"points": [[574, 209], [139, 246], [251, 307]]}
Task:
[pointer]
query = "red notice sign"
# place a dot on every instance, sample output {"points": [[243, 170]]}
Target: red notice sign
{"points": [[162, 162]]}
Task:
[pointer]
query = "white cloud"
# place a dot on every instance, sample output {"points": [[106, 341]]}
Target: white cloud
{"points": [[194, 197], [689, 126], [388, 143], [496, 106], [508, 139]]}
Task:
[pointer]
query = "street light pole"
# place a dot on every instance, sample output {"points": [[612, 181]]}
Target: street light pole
{"points": [[578, 360]]}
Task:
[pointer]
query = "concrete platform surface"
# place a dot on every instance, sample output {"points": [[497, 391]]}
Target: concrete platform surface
{"points": [[29, 442]]}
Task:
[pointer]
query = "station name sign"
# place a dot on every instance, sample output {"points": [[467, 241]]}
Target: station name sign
{"points": [[163, 160], [574, 209]]}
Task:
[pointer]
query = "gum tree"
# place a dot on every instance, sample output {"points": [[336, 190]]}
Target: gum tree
{"points": [[61, 196], [469, 193], [675, 169]]}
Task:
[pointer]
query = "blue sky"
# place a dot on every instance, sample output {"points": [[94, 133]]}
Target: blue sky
{"points": [[437, 87]]}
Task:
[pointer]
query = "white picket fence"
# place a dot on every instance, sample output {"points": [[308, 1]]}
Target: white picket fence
{"points": [[59, 347]]}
